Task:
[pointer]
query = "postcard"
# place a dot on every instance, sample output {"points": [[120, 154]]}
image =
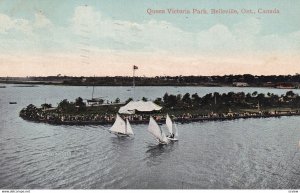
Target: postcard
{"points": [[149, 94]]}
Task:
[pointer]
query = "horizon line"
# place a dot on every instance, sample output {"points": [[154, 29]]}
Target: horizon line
{"points": [[78, 76]]}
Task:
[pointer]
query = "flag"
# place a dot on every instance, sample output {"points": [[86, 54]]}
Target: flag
{"points": [[135, 67]]}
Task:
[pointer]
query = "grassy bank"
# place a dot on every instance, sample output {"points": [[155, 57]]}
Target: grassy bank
{"points": [[186, 107]]}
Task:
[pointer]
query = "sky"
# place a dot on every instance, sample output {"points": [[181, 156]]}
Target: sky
{"points": [[106, 38]]}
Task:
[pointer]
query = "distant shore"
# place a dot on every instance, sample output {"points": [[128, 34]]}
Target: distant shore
{"points": [[245, 80]]}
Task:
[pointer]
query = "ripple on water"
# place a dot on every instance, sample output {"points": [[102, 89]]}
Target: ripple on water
{"points": [[252, 153]]}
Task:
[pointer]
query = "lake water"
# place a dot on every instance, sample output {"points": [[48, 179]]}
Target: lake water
{"points": [[245, 153]]}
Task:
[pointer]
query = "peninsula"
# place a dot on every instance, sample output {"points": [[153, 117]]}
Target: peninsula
{"points": [[186, 108]]}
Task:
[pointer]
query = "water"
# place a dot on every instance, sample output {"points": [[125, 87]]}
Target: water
{"points": [[245, 153]]}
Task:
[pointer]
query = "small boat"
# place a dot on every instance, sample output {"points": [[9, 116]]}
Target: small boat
{"points": [[157, 132], [121, 128], [24, 86], [286, 87], [95, 101], [2, 86], [172, 128], [12, 103]]}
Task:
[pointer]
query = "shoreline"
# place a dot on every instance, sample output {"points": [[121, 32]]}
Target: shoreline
{"points": [[245, 80], [32, 85], [181, 120]]}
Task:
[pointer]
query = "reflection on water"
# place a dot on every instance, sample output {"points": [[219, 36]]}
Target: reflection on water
{"points": [[122, 144], [121, 140], [154, 153], [252, 153], [157, 150]]}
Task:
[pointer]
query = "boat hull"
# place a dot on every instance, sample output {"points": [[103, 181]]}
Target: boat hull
{"points": [[172, 139], [121, 134], [162, 142]]}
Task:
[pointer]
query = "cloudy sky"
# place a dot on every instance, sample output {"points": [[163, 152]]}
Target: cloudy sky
{"points": [[105, 38]]}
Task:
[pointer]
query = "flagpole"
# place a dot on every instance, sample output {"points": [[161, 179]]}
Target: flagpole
{"points": [[93, 88], [133, 83]]}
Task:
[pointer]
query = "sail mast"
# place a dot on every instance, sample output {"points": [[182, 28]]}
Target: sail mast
{"points": [[93, 88], [126, 125]]}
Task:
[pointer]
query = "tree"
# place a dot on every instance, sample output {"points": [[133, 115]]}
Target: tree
{"points": [[166, 97], [196, 99], [178, 97], [254, 94], [117, 100], [186, 98], [144, 99], [170, 101], [128, 100], [248, 97], [64, 104], [30, 107], [79, 102], [290, 94], [158, 101], [261, 98], [46, 106], [207, 99]]}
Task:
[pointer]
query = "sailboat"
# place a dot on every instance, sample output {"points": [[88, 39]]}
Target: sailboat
{"points": [[121, 128], [157, 132], [94, 101], [172, 128]]}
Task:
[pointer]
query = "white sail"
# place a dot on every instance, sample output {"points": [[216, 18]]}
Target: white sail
{"points": [[128, 128], [164, 138], [176, 130], [119, 126], [169, 124], [154, 129]]}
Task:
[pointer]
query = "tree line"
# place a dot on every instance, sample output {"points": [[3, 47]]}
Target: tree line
{"points": [[229, 101], [251, 80], [216, 102]]}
